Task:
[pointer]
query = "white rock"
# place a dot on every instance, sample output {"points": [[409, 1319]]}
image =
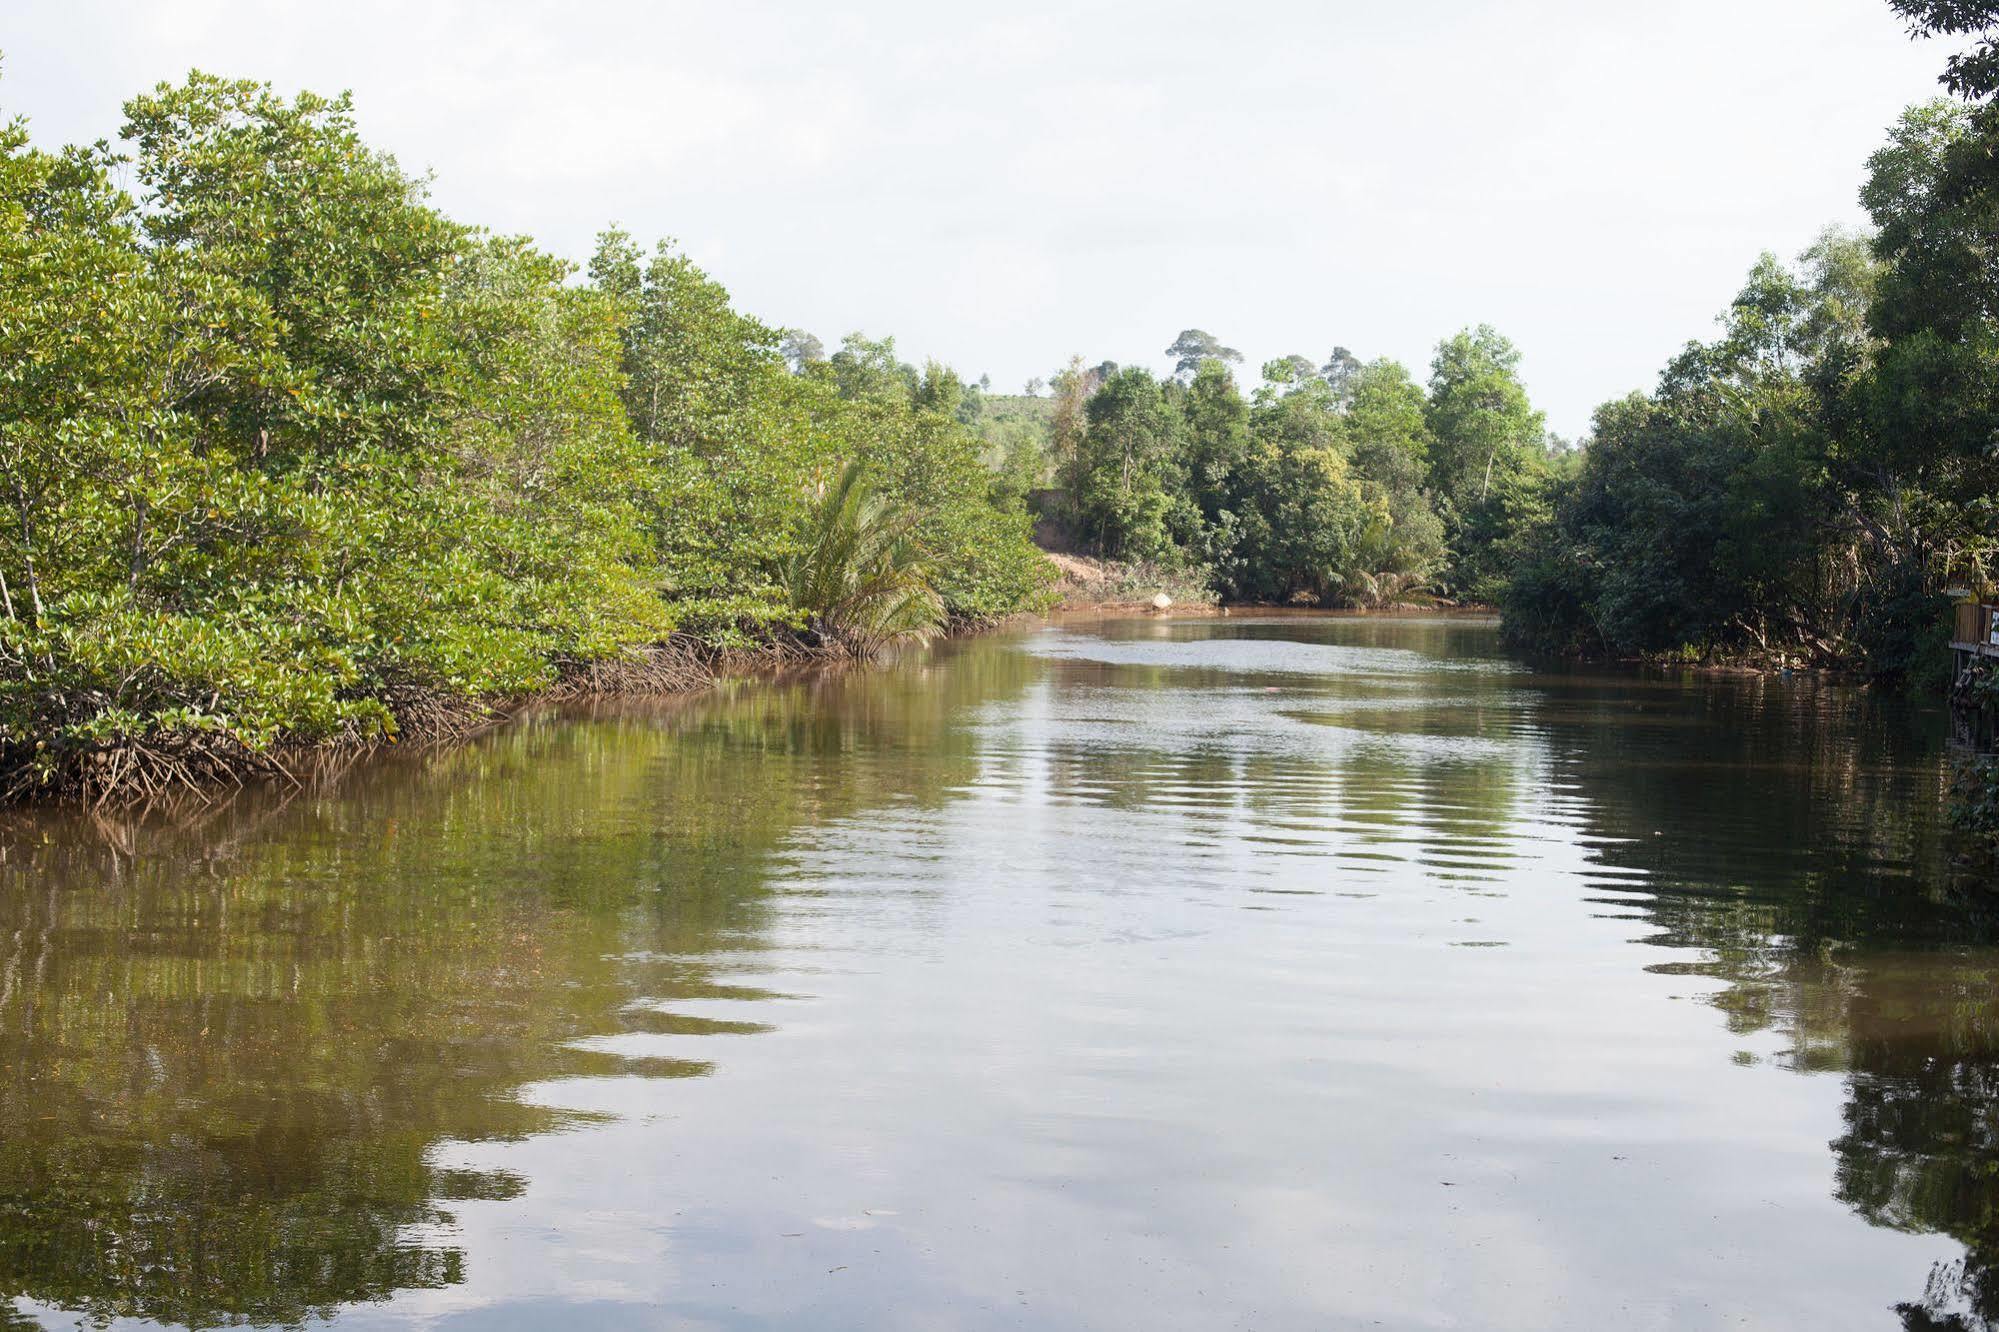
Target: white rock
{"points": [[1162, 602]]}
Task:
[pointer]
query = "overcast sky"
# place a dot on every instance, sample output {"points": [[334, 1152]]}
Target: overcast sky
{"points": [[1001, 185]]}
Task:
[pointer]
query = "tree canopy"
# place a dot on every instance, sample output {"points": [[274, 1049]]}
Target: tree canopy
{"points": [[289, 455]]}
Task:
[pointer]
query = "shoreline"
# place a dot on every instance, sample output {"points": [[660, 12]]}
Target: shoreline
{"points": [[169, 769], [1761, 668], [197, 767], [163, 769]]}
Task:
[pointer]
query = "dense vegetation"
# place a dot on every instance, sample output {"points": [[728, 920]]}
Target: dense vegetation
{"points": [[289, 456], [1813, 484], [1803, 488], [1808, 486], [1344, 484]]}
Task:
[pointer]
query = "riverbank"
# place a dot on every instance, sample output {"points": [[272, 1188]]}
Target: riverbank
{"points": [[166, 765], [1713, 663], [1083, 583], [426, 470]]}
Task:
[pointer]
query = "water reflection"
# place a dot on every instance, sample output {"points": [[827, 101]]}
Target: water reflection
{"points": [[231, 1050], [1290, 972], [1829, 909]]}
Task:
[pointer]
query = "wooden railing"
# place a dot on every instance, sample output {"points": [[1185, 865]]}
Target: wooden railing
{"points": [[1975, 625]]}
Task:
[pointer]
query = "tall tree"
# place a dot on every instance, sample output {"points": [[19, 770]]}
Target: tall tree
{"points": [[1217, 442], [869, 370], [1125, 477], [1388, 443], [1195, 345], [1289, 372], [1487, 461], [1339, 372], [801, 349], [1300, 517]]}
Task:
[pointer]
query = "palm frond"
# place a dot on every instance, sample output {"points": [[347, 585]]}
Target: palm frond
{"points": [[861, 578]]}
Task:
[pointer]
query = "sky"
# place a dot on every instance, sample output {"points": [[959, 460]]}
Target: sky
{"points": [[1002, 186]]}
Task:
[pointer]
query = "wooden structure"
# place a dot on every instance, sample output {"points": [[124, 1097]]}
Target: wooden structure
{"points": [[1974, 643], [1976, 633]]}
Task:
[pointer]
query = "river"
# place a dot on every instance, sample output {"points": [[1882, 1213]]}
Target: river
{"points": [[1260, 972]]}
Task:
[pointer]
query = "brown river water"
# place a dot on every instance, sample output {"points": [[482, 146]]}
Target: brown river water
{"points": [[1273, 973]]}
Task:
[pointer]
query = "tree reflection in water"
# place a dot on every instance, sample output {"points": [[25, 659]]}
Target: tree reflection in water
{"points": [[1831, 906], [233, 1057], [230, 1049]]}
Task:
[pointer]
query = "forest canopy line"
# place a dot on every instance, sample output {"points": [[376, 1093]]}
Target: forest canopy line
{"points": [[1811, 484], [289, 457], [1806, 488], [1335, 484]]}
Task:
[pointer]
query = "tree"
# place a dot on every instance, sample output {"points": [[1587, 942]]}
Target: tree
{"points": [[1073, 387], [1194, 346], [726, 432], [1288, 371], [1217, 442], [1916, 424], [860, 576], [1124, 477], [864, 370], [1339, 371], [1299, 513], [1708, 516], [972, 527], [1937, 309], [292, 456], [1388, 443], [1487, 466], [801, 349], [1973, 73], [289, 456]]}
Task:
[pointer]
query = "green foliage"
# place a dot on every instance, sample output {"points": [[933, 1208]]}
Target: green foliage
{"points": [[975, 530], [1974, 807], [801, 350], [738, 440], [1315, 492], [1017, 444], [1195, 347], [1216, 441], [726, 435], [1807, 485], [282, 441], [860, 579], [1389, 446], [1302, 511], [290, 456], [1488, 464], [1974, 71], [868, 371], [1705, 516], [1924, 413], [1125, 478]]}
